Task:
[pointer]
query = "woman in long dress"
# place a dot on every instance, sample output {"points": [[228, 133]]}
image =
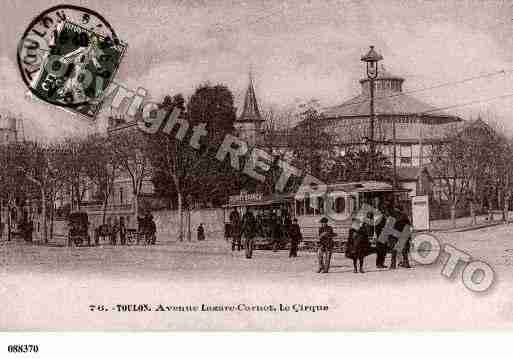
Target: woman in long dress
{"points": [[358, 245]]}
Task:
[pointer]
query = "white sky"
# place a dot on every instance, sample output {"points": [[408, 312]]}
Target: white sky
{"points": [[298, 50]]}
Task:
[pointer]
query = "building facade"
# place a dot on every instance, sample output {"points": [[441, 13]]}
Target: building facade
{"points": [[8, 130], [405, 128]]}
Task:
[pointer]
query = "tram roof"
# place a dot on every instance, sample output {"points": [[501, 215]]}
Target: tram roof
{"points": [[365, 186], [348, 187], [265, 201], [352, 187]]}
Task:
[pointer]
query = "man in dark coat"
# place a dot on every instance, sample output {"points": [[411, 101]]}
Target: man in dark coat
{"points": [[201, 232], [402, 221], [381, 248], [405, 262], [249, 228], [326, 243], [122, 231], [276, 231], [294, 233], [235, 229], [152, 229]]}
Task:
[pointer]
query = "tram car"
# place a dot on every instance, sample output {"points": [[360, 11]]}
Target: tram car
{"points": [[339, 203]]}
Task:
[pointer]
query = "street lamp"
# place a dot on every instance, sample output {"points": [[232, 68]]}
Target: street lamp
{"points": [[371, 59]]}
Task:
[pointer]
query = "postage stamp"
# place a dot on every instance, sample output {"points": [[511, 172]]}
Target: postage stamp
{"points": [[79, 67], [68, 56]]}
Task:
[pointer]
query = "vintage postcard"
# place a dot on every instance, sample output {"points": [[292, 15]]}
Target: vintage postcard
{"points": [[256, 166]]}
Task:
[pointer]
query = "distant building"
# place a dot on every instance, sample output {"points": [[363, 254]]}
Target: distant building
{"points": [[402, 123], [8, 130]]}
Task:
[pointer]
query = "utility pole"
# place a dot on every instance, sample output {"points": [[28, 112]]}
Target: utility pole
{"points": [[372, 146], [371, 59], [395, 152]]}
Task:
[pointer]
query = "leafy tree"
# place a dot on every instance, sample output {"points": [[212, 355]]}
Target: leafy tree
{"points": [[311, 145], [214, 106], [353, 166]]}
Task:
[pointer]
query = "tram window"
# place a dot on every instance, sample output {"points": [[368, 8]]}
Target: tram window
{"points": [[339, 206], [355, 203], [320, 205], [300, 207], [308, 207]]}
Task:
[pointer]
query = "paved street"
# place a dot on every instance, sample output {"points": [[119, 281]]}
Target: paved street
{"points": [[52, 288]]}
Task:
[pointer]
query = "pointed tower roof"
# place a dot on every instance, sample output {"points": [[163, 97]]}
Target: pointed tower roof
{"points": [[250, 112]]}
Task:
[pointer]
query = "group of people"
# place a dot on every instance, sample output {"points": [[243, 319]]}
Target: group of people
{"points": [[358, 245], [362, 233], [276, 228]]}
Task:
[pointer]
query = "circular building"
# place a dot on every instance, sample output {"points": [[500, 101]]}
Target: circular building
{"points": [[401, 122]]}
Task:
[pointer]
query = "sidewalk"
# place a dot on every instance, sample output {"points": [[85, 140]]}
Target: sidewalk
{"points": [[464, 224]]}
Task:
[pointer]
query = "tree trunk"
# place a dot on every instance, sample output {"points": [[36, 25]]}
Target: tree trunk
{"points": [[453, 215], [473, 213], [135, 204], [9, 222], [2, 224], [189, 236], [43, 214], [51, 221], [180, 215], [104, 210], [505, 212]]}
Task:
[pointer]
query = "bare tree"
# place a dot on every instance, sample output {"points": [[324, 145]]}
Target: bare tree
{"points": [[37, 163], [129, 149], [71, 162], [465, 164], [101, 168]]}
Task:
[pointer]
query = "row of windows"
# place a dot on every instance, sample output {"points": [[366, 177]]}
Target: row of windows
{"points": [[316, 206], [385, 85]]}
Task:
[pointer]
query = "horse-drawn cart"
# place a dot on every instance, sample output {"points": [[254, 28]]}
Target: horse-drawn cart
{"points": [[78, 229]]}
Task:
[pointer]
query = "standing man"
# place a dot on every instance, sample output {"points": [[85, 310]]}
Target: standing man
{"points": [[381, 248], [152, 227], [122, 231], [405, 262], [275, 231], [326, 235], [201, 232], [114, 233], [235, 230], [249, 231], [402, 221], [294, 232]]}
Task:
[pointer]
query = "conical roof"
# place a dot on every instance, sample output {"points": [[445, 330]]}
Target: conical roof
{"points": [[250, 111]]}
